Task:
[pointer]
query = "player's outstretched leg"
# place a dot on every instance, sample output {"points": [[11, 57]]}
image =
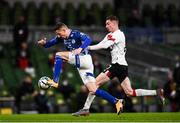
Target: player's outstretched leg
{"points": [[160, 94], [57, 72]]}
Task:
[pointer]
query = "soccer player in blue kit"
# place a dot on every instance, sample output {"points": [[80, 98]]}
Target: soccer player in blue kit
{"points": [[77, 54]]}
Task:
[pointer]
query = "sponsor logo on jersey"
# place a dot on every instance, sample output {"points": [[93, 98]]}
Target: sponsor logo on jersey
{"points": [[110, 37]]}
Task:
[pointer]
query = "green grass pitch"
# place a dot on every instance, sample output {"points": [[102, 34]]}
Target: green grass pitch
{"points": [[94, 117]]}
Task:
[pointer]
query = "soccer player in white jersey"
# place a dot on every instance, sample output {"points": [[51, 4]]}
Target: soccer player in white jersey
{"points": [[115, 40], [77, 54]]}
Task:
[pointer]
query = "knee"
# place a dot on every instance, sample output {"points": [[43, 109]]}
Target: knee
{"points": [[92, 91], [98, 85]]}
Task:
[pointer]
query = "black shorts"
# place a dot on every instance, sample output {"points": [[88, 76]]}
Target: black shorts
{"points": [[117, 70]]}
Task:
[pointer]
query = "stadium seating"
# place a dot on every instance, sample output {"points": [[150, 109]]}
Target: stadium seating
{"points": [[159, 15], [57, 13], [172, 15], [121, 13], [81, 14], [70, 14], [40, 62], [106, 11], [18, 11], [31, 13], [5, 15], [44, 14], [8, 76], [95, 12], [147, 15]]}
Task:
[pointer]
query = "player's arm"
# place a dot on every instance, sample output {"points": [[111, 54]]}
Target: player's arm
{"points": [[86, 42], [47, 44], [104, 44]]}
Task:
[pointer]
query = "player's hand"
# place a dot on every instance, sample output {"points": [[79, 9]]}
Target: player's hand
{"points": [[77, 51], [42, 42]]}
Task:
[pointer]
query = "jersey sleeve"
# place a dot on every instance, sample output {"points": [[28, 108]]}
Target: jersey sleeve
{"points": [[51, 42], [86, 40], [104, 44]]}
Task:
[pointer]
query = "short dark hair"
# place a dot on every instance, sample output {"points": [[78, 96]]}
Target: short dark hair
{"points": [[59, 25], [112, 18]]}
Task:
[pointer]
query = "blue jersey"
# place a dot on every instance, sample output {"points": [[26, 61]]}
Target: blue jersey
{"points": [[75, 40]]}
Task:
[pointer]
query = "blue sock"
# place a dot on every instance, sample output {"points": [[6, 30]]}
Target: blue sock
{"points": [[57, 68], [105, 95]]}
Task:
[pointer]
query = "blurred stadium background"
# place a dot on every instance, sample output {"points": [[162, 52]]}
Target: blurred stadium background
{"points": [[152, 30]]}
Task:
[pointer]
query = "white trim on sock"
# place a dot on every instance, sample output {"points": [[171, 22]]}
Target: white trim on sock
{"points": [[144, 92]]}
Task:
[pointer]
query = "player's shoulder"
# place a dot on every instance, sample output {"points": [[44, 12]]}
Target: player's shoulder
{"points": [[74, 34], [77, 33], [118, 34]]}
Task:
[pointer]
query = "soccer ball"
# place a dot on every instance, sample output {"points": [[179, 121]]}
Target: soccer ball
{"points": [[42, 83]]}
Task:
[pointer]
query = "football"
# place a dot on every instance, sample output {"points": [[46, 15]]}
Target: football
{"points": [[42, 83]]}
